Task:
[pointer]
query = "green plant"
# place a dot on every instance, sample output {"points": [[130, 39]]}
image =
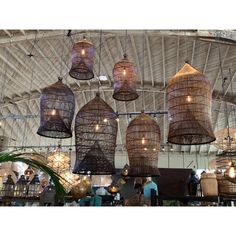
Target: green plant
{"points": [[27, 158]]}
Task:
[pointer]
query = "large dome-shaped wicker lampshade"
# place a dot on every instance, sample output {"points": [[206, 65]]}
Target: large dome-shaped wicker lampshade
{"points": [[57, 106], [143, 145], [82, 55], [189, 108], [95, 138], [125, 78]]}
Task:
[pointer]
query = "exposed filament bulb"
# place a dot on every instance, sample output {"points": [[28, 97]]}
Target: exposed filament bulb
{"points": [[97, 127], [231, 171], [124, 72], [54, 112], [83, 52], [143, 140], [189, 98]]}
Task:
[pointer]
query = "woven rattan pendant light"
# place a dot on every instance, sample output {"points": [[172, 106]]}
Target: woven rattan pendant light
{"points": [[82, 56], [189, 108], [57, 106], [143, 145], [124, 79], [95, 138]]}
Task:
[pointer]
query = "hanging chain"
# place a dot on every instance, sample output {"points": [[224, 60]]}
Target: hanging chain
{"points": [[125, 54], [224, 100], [99, 63], [143, 73]]}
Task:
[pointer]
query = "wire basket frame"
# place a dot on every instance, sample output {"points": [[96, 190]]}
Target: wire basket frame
{"points": [[95, 138], [224, 160], [143, 146], [222, 141], [82, 56], [57, 106], [125, 78], [189, 108]]}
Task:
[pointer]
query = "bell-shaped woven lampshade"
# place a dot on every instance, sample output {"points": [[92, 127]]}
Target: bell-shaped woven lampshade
{"points": [[222, 142], [189, 108], [95, 138], [57, 106], [83, 53], [143, 145], [125, 78]]}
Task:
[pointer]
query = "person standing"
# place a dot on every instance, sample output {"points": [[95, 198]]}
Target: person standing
{"points": [[147, 188]]}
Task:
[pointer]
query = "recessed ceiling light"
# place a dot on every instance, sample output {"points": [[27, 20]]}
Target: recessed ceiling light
{"points": [[103, 78]]}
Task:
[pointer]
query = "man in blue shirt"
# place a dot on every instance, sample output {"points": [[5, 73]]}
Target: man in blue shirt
{"points": [[149, 184]]}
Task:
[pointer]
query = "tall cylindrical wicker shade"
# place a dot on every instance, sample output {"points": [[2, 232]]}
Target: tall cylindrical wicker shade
{"points": [[143, 145], [57, 106], [125, 78], [82, 56], [189, 108], [95, 138]]}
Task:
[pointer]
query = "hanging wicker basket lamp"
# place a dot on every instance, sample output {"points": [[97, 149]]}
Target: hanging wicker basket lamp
{"points": [[57, 106], [222, 141], [125, 78], [95, 138], [189, 108], [143, 145], [82, 56]]}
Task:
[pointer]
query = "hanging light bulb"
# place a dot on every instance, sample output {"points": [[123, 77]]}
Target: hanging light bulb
{"points": [[124, 72], [189, 98], [105, 120], [117, 119], [54, 112], [0, 124], [97, 127], [143, 140], [154, 149], [231, 171], [83, 52]]}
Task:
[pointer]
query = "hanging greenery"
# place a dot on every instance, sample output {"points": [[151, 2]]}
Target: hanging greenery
{"points": [[26, 158]]}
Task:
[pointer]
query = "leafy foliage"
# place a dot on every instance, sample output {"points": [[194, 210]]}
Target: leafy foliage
{"points": [[26, 158]]}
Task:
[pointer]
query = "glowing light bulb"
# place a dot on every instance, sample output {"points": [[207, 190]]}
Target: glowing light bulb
{"points": [[143, 140], [124, 72], [189, 98], [53, 112], [235, 135], [117, 119], [0, 124], [154, 149], [231, 171], [97, 127], [145, 149], [105, 120], [83, 52]]}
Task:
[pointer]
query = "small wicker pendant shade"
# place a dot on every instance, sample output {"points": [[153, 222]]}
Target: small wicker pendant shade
{"points": [[224, 160], [82, 55], [189, 108], [222, 141], [95, 138], [143, 145], [125, 77], [57, 106]]}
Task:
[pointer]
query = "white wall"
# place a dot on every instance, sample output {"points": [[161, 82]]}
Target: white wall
{"points": [[176, 160]]}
